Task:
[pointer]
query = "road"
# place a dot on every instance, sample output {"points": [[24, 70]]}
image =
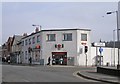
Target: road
{"points": [[14, 73]]}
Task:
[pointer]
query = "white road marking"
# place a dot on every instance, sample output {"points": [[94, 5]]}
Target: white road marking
{"points": [[26, 80], [75, 74]]}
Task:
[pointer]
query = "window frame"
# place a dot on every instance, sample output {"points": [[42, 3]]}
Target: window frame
{"points": [[38, 38], [84, 37], [26, 42], [22, 43], [33, 40], [66, 37], [29, 41], [49, 37]]}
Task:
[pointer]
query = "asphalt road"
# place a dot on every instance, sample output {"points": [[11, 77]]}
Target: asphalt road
{"points": [[14, 73]]}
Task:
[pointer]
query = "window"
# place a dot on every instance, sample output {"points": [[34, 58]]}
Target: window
{"points": [[33, 40], [26, 42], [25, 54], [29, 41], [22, 43], [83, 37], [67, 37], [51, 37], [38, 38]]}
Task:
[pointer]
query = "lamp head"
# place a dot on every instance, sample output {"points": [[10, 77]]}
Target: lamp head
{"points": [[109, 12]]}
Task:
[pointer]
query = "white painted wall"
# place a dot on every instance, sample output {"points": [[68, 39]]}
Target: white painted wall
{"points": [[49, 46], [81, 57], [25, 58], [108, 55], [71, 47]]}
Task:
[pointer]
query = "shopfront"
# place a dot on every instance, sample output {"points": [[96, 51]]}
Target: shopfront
{"points": [[59, 58], [35, 54]]}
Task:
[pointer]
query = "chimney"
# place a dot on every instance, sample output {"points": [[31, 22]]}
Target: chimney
{"points": [[37, 29], [25, 34]]}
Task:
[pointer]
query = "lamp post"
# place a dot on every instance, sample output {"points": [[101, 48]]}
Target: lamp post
{"points": [[118, 66], [114, 44]]}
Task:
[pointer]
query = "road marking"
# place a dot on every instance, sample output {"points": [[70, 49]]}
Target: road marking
{"points": [[75, 74], [26, 80]]}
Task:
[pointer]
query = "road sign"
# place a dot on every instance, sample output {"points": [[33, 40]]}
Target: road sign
{"points": [[99, 44], [100, 50]]}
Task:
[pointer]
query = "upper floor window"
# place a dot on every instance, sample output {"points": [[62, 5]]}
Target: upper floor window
{"points": [[33, 40], [38, 38], [83, 37], [26, 42], [67, 37], [29, 41], [51, 37], [22, 43]]}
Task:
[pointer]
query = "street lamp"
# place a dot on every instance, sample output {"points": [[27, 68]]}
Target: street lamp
{"points": [[114, 44], [118, 66]]}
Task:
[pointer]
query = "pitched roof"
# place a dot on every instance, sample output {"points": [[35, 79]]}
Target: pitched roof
{"points": [[16, 38]]}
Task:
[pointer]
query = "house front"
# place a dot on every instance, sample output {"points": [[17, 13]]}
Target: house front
{"points": [[62, 46]]}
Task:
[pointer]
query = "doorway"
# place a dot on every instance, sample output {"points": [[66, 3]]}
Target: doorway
{"points": [[59, 58]]}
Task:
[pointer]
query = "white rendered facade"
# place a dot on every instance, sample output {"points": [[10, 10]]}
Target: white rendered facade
{"points": [[66, 43], [25, 46]]}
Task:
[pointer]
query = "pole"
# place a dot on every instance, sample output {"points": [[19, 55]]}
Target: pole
{"points": [[114, 45], [118, 40], [96, 56], [118, 66], [86, 59]]}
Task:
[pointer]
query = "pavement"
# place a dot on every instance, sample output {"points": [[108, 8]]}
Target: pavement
{"points": [[93, 75]]}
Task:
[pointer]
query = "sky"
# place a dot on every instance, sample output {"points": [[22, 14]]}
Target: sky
{"points": [[18, 17]]}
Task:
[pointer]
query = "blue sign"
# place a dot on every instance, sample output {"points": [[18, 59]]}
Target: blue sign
{"points": [[100, 50]]}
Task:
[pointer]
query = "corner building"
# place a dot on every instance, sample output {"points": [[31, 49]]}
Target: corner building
{"points": [[63, 46]]}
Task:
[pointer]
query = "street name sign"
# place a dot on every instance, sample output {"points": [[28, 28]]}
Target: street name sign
{"points": [[99, 44]]}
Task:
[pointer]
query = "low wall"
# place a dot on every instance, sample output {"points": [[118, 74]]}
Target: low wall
{"points": [[108, 71]]}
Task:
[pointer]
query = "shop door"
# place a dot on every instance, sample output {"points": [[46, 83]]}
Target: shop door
{"points": [[59, 58]]}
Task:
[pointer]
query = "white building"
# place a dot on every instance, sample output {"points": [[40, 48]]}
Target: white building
{"points": [[66, 47], [65, 44], [108, 56]]}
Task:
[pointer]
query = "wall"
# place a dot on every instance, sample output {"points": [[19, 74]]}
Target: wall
{"points": [[81, 56], [71, 47], [49, 46], [25, 57], [108, 55]]}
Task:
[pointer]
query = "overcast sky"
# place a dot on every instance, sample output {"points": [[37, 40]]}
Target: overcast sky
{"points": [[18, 17]]}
